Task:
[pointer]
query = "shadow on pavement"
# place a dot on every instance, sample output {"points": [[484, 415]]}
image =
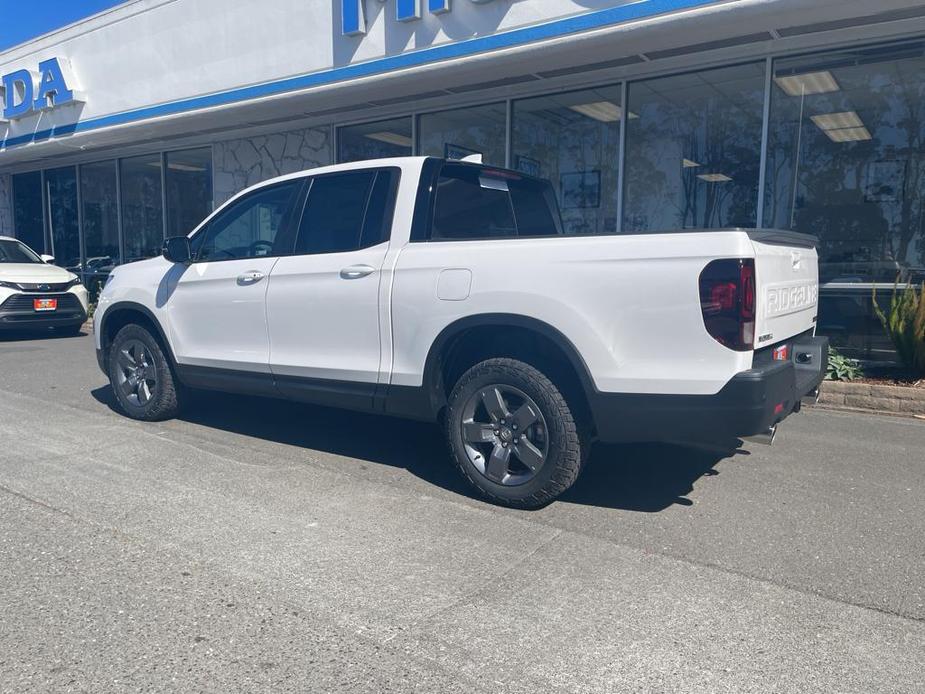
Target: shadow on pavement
{"points": [[639, 477], [37, 334]]}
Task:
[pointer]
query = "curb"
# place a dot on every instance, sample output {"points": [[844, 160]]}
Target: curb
{"points": [[895, 400]]}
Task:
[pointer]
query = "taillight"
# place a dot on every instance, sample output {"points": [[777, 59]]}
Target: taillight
{"points": [[727, 301]]}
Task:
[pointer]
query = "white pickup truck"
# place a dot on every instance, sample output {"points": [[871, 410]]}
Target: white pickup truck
{"points": [[449, 291]]}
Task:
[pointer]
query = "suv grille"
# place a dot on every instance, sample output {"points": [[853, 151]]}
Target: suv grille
{"points": [[23, 302], [43, 287]]}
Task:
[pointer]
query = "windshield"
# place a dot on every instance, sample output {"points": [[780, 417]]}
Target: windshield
{"points": [[16, 252]]}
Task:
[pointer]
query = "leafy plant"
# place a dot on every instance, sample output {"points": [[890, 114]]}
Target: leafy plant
{"points": [[905, 324], [841, 368]]}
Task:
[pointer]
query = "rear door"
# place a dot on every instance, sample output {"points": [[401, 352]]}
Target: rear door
{"points": [[323, 301], [787, 273]]}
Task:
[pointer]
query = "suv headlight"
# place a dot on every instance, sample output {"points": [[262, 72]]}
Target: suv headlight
{"points": [[10, 285], [74, 282]]}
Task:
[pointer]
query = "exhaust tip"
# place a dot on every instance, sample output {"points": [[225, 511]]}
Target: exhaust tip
{"points": [[765, 438]]}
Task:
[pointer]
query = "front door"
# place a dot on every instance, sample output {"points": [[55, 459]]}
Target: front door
{"points": [[217, 308], [323, 301]]}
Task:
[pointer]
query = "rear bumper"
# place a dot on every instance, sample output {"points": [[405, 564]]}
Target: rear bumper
{"points": [[750, 404]]}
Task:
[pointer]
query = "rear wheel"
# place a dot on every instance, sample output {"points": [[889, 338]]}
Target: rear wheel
{"points": [[512, 434], [141, 377]]}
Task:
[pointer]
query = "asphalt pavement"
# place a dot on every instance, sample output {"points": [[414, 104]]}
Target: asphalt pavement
{"points": [[256, 545]]}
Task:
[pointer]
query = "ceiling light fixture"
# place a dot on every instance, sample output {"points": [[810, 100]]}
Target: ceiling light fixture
{"points": [[808, 83], [846, 126], [861, 134], [603, 111], [688, 164], [185, 167], [838, 121], [714, 178], [391, 138]]}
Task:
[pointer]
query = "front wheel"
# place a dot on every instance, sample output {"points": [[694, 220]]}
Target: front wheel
{"points": [[512, 434], [141, 377]]}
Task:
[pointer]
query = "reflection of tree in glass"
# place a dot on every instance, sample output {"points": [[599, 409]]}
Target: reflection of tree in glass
{"points": [[693, 153], [864, 196]]}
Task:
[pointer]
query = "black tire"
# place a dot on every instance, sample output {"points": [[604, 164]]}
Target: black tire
{"points": [[556, 428], [136, 348]]}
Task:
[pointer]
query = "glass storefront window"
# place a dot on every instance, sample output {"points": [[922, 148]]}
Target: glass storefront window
{"points": [[100, 221], [846, 159], [465, 131], [63, 225], [693, 150], [846, 162], [142, 207], [189, 189], [385, 138], [28, 220], [573, 140]]}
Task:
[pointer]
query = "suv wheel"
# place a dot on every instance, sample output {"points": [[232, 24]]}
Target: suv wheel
{"points": [[512, 434], [141, 377]]}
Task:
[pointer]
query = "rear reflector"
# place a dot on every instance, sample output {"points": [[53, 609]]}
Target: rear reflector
{"points": [[781, 353], [727, 301]]}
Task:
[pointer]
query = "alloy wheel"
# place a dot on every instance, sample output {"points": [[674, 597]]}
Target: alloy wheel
{"points": [[504, 434], [136, 373]]}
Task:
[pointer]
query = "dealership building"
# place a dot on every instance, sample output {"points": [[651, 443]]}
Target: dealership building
{"points": [[646, 115]]}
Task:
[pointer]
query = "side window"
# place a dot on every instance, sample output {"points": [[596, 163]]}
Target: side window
{"points": [[471, 205], [535, 208], [250, 228], [377, 227], [348, 211]]}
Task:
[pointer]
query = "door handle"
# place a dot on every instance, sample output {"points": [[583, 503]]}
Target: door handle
{"points": [[355, 272], [250, 277]]}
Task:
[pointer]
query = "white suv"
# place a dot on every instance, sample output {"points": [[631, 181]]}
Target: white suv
{"points": [[36, 294], [449, 291]]}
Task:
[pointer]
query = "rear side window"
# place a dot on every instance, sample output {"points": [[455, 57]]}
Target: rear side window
{"points": [[472, 202], [347, 211], [535, 208]]}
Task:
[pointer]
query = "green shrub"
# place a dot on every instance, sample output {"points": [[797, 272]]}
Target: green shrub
{"points": [[905, 324], [841, 368]]}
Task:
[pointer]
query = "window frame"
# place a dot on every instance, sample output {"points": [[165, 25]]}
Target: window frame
{"points": [[300, 186], [395, 172]]}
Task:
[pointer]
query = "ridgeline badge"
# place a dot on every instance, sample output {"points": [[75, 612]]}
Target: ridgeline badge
{"points": [[25, 92], [353, 12]]}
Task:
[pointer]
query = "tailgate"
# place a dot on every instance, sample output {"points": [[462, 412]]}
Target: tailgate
{"points": [[787, 274]]}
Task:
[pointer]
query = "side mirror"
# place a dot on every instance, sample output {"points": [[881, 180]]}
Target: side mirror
{"points": [[49, 259], [177, 250]]}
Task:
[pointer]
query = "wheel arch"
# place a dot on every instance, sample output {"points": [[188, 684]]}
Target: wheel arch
{"points": [[547, 344], [123, 313]]}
